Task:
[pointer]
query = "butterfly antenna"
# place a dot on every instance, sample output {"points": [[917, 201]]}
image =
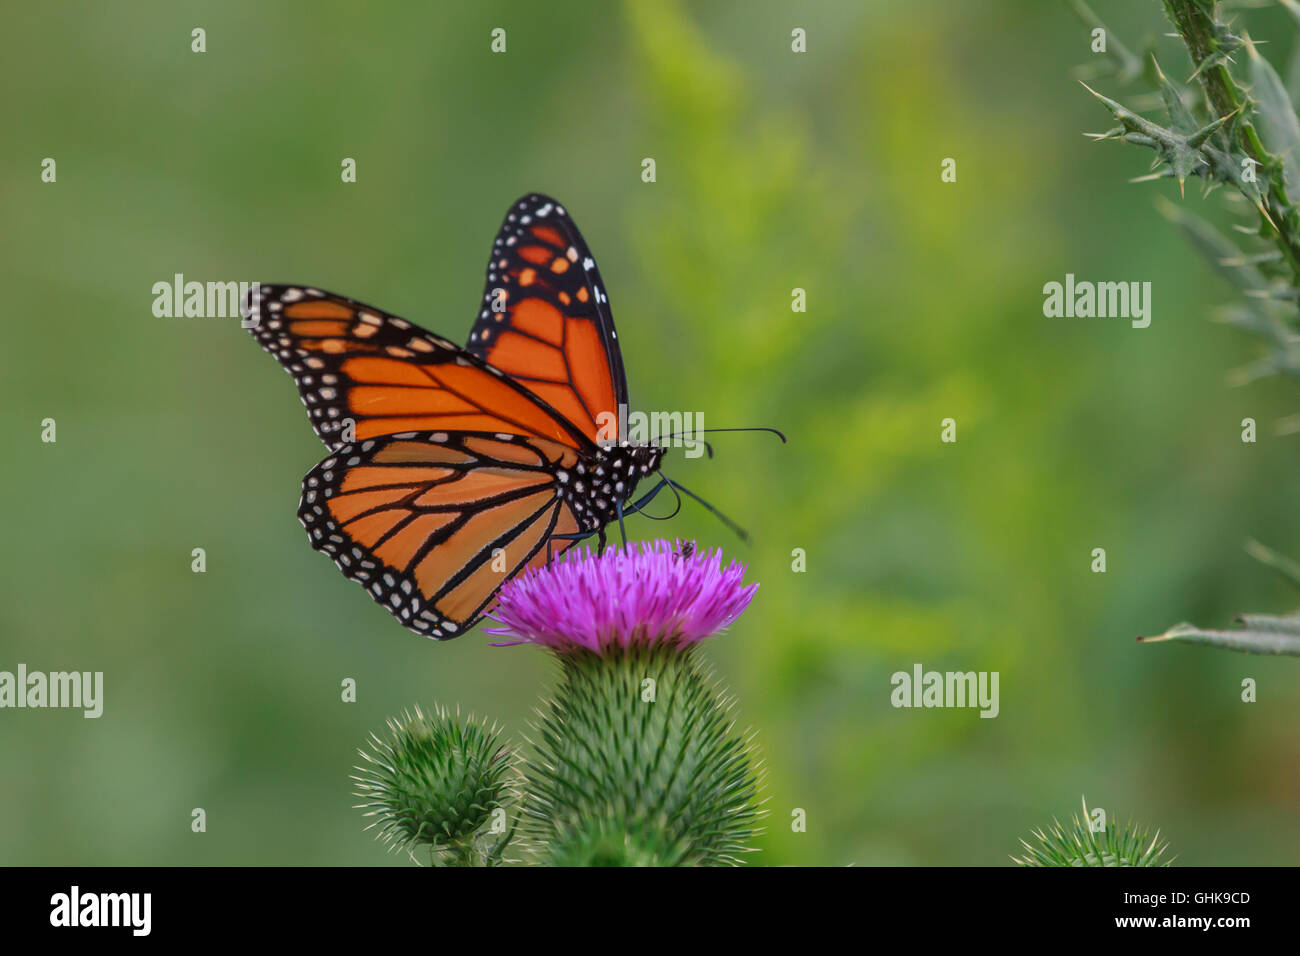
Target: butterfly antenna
{"points": [[708, 448], [701, 431], [740, 532], [760, 428]]}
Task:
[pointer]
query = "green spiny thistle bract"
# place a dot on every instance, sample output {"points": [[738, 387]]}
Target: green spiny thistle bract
{"points": [[1080, 845], [637, 762], [439, 781]]}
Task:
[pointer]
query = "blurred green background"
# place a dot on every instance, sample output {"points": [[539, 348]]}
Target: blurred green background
{"points": [[775, 171]]}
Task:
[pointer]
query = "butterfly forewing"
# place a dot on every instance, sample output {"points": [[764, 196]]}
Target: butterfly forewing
{"points": [[357, 364], [545, 318]]}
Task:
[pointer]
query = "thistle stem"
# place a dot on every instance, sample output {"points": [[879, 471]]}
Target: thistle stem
{"points": [[1195, 24]]}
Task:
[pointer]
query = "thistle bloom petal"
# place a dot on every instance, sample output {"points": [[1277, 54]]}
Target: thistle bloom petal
{"points": [[645, 593]]}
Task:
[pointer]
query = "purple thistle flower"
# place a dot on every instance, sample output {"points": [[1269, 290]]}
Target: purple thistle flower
{"points": [[645, 593]]}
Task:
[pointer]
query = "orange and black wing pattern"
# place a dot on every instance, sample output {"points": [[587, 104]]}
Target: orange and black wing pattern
{"points": [[358, 366], [450, 469], [545, 318], [432, 523]]}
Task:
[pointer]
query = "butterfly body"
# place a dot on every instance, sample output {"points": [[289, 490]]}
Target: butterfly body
{"points": [[600, 483], [452, 469]]}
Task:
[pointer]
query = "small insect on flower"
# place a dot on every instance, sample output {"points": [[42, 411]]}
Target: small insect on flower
{"points": [[642, 594]]}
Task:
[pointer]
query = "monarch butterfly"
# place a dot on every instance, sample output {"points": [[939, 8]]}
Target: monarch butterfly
{"points": [[452, 469]]}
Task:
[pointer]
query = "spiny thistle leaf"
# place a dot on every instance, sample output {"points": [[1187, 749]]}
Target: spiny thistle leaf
{"points": [[1180, 116], [1259, 634], [637, 762], [437, 780], [1293, 68], [1131, 121], [1231, 167], [1253, 146], [1185, 151], [1079, 845], [1275, 113]]}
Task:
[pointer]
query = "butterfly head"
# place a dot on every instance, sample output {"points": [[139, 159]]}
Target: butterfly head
{"points": [[597, 485], [640, 459], [634, 460]]}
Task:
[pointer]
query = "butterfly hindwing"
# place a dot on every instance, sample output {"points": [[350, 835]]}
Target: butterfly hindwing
{"points": [[357, 364], [545, 318], [432, 523]]}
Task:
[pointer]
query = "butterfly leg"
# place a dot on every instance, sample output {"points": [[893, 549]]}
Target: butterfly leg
{"points": [[633, 508], [576, 537], [622, 529]]}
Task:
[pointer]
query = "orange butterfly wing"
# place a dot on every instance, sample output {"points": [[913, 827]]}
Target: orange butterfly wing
{"points": [[432, 523], [355, 363], [545, 319], [449, 481]]}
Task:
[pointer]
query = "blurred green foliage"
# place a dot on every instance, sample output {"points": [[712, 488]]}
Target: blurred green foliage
{"points": [[775, 171]]}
